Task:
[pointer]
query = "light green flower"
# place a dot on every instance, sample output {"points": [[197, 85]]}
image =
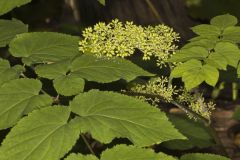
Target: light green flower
{"points": [[121, 40]]}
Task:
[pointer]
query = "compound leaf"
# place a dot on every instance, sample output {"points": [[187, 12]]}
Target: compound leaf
{"points": [[193, 73], [32, 138], [44, 47], [117, 115], [9, 29]]}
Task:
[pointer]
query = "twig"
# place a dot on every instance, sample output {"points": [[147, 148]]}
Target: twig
{"points": [[73, 4], [153, 9], [88, 145]]}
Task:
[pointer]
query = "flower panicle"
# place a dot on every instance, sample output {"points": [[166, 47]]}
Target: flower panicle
{"points": [[117, 39]]}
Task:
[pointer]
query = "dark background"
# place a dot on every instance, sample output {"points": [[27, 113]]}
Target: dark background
{"points": [[71, 16]]}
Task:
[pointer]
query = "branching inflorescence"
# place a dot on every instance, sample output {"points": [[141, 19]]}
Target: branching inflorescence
{"points": [[167, 93], [121, 40]]}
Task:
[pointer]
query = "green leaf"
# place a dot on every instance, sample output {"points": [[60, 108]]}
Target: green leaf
{"points": [[37, 102], [224, 21], [193, 74], [34, 136], [193, 78], [179, 70], [198, 137], [211, 74], [198, 38], [202, 156], [18, 97], [8, 73], [74, 156], [9, 29], [44, 47], [206, 43], [117, 115], [178, 144], [53, 70], [229, 51], [102, 2], [64, 84], [104, 70], [69, 85], [8, 5], [194, 52], [232, 34], [206, 30], [217, 60], [124, 152]]}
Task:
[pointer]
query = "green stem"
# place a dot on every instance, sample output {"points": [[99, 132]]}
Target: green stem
{"points": [[182, 107], [217, 140], [44, 92], [87, 144], [234, 91], [202, 119]]}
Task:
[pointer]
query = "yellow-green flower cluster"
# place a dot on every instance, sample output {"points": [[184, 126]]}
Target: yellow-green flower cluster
{"points": [[160, 90], [121, 40], [157, 86], [197, 104]]}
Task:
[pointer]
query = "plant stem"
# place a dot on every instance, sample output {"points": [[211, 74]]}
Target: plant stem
{"points": [[202, 119], [217, 140], [154, 10], [44, 92], [182, 107], [88, 145]]}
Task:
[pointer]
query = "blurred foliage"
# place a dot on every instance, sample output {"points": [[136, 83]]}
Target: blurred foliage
{"points": [[206, 9]]}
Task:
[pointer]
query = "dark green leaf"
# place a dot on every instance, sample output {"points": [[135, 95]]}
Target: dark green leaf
{"points": [[202, 156], [18, 97], [206, 30], [117, 115], [8, 5], [9, 29], [44, 47], [104, 70], [224, 21], [43, 134], [186, 54]]}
